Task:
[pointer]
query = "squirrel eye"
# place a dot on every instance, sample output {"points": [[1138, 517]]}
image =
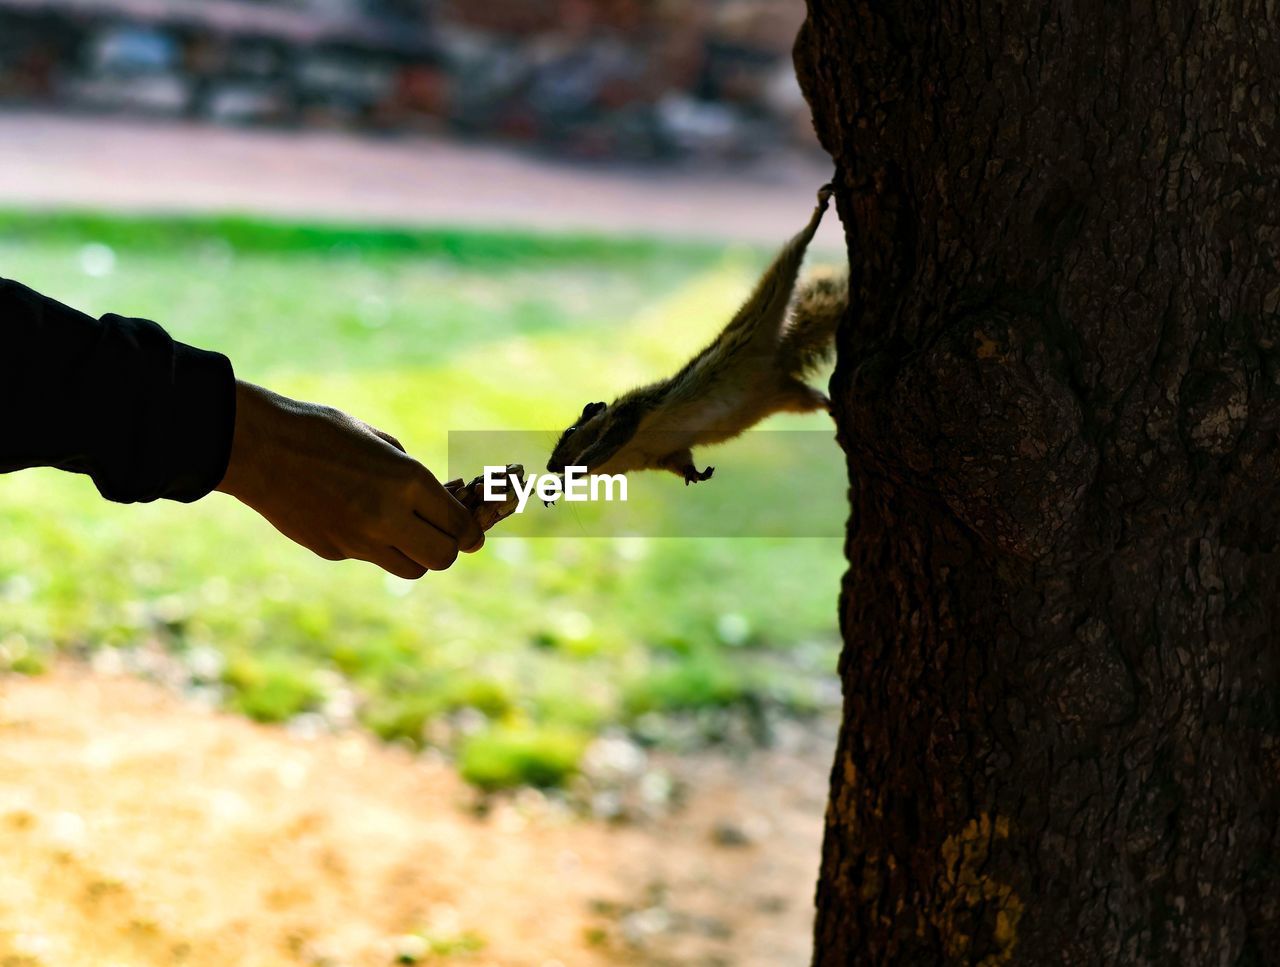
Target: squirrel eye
{"points": [[572, 429]]}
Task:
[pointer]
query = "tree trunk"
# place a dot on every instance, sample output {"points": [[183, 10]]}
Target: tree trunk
{"points": [[1059, 391]]}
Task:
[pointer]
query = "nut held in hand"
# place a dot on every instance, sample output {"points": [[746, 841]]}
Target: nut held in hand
{"points": [[487, 513]]}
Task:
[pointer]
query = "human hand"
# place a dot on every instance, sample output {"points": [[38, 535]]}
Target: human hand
{"points": [[341, 488]]}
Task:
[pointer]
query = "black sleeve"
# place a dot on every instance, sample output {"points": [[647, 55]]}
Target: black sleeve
{"points": [[115, 398]]}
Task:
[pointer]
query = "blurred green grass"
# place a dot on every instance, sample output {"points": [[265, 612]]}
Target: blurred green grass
{"points": [[547, 640]]}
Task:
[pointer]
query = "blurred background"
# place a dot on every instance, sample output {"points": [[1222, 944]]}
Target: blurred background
{"points": [[635, 79], [437, 216]]}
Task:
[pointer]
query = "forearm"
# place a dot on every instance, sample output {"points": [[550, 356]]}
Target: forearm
{"points": [[114, 398], [147, 417]]}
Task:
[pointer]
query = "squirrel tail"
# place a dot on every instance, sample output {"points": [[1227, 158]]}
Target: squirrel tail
{"points": [[808, 339]]}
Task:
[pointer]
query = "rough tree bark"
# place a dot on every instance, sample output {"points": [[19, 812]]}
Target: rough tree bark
{"points": [[1059, 391]]}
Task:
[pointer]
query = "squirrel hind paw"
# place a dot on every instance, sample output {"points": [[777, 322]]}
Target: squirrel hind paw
{"points": [[692, 474]]}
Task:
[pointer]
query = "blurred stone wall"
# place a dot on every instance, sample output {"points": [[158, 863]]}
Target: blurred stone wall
{"points": [[628, 79]]}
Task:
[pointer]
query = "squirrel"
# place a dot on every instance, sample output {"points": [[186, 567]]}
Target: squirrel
{"points": [[753, 369]]}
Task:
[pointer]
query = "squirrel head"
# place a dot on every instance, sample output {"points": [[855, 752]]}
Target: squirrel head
{"points": [[578, 438]]}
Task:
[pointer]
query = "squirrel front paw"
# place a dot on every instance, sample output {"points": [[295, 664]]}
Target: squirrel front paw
{"points": [[692, 474], [825, 193]]}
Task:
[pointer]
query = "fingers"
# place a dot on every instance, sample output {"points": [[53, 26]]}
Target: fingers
{"points": [[464, 529], [428, 546], [394, 562], [426, 532], [472, 537], [437, 506], [437, 527], [468, 540]]}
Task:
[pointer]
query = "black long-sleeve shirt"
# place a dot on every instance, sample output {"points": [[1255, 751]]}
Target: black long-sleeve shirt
{"points": [[146, 417]]}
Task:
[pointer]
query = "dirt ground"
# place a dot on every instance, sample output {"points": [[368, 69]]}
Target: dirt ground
{"points": [[121, 165], [138, 829]]}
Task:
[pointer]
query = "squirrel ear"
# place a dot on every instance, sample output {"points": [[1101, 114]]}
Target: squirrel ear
{"points": [[591, 409], [614, 435]]}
